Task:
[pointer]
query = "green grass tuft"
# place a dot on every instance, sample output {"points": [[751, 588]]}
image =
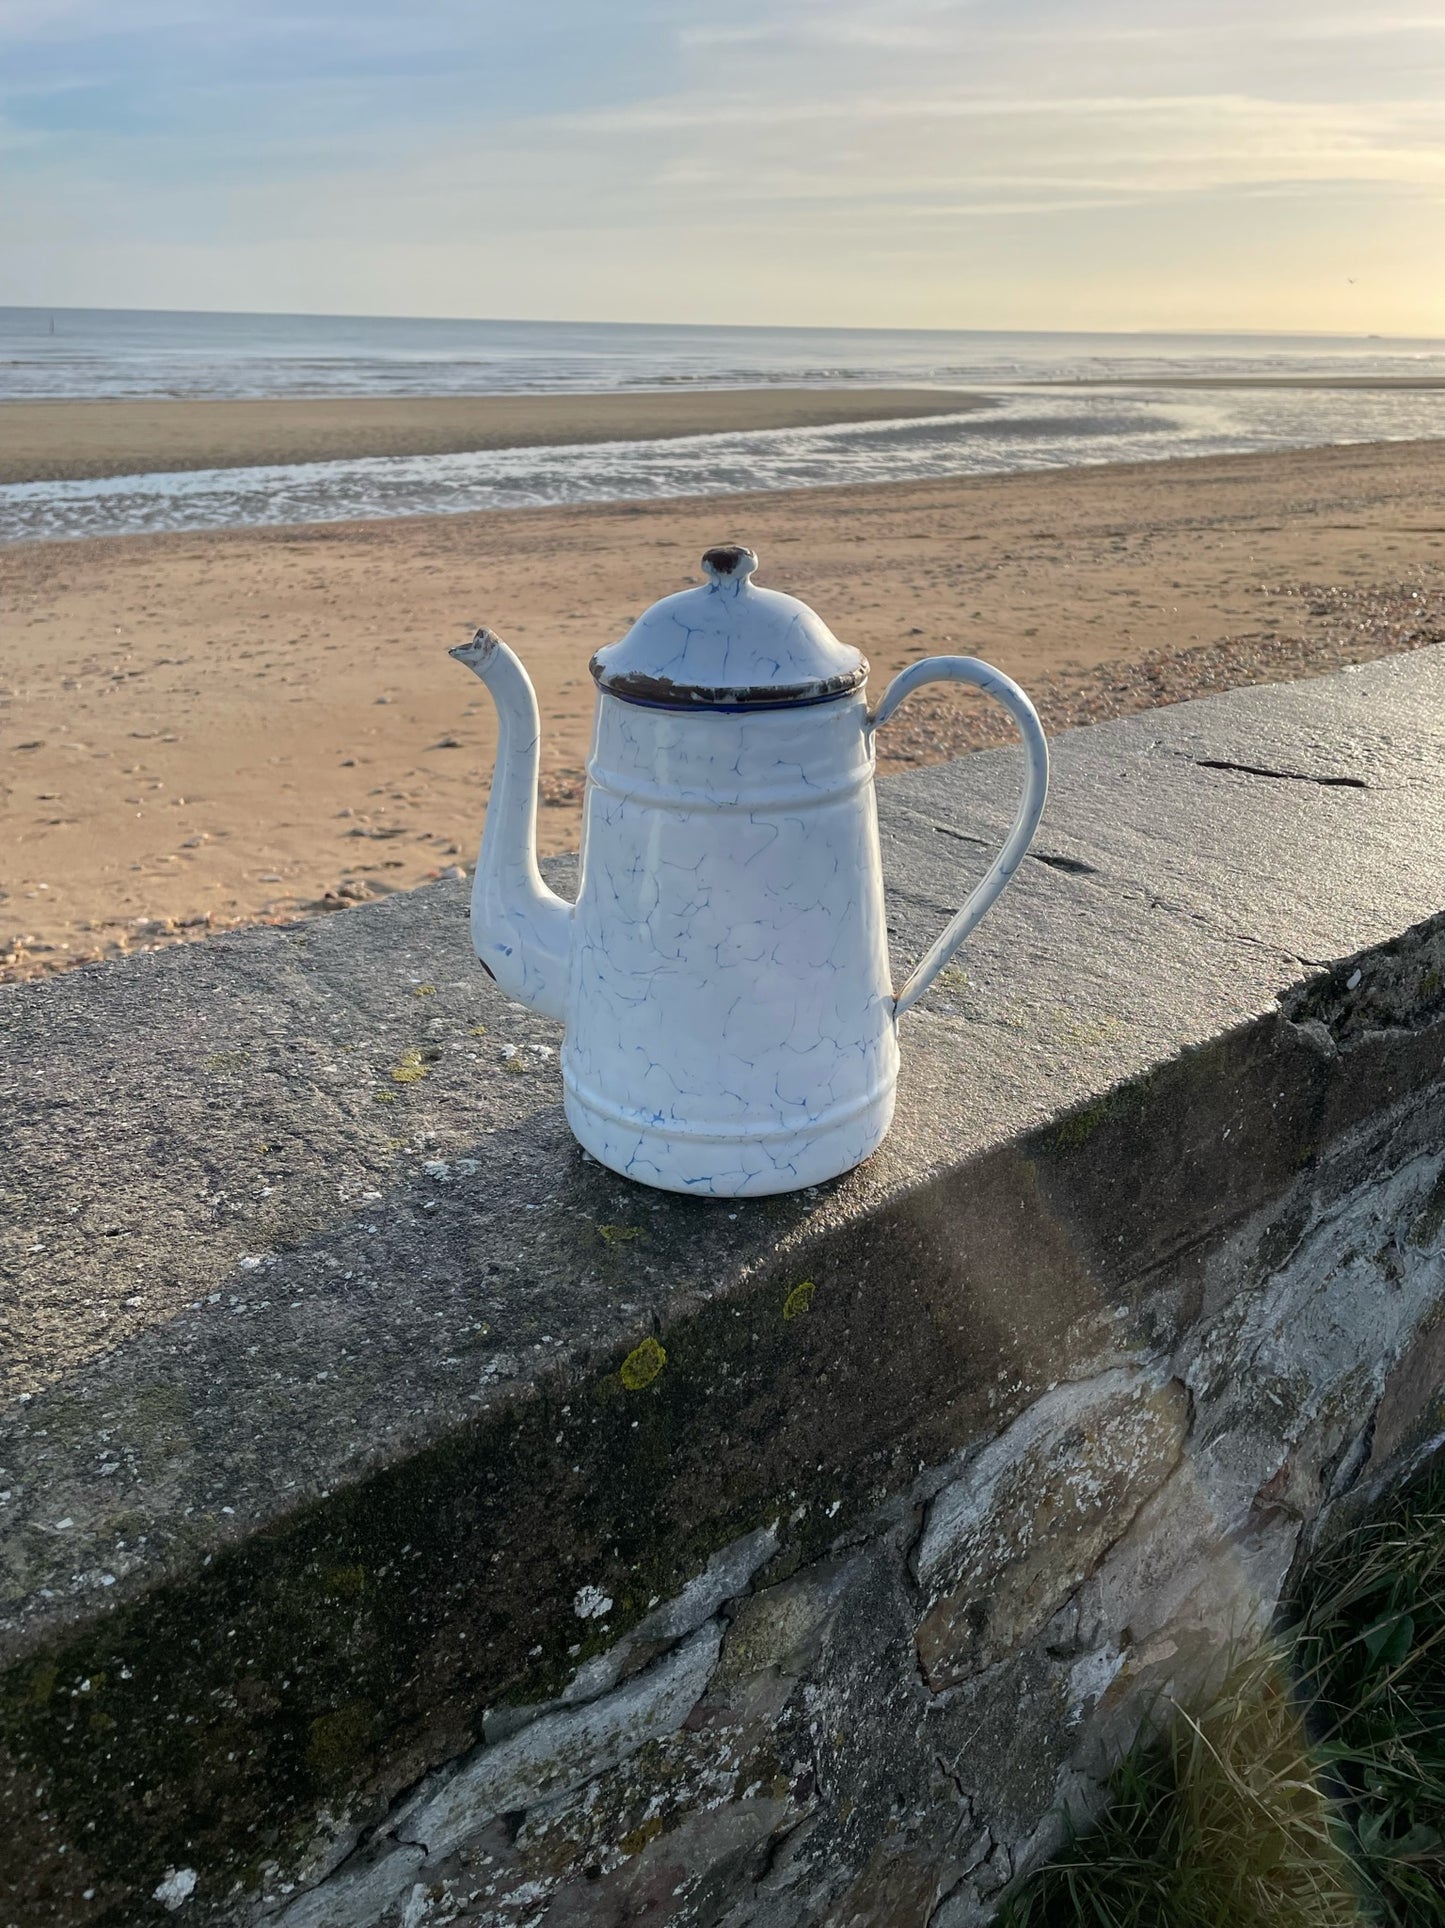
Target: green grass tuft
{"points": [[1310, 1791], [1370, 1654]]}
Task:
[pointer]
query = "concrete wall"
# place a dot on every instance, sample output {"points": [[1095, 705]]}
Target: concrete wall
{"points": [[408, 1521]]}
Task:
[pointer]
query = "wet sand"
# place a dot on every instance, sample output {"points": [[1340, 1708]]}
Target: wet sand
{"points": [[204, 730], [64, 441]]}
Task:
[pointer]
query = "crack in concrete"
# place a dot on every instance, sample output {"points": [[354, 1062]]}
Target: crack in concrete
{"points": [[1076, 866], [1072, 866], [1283, 776], [1230, 931]]}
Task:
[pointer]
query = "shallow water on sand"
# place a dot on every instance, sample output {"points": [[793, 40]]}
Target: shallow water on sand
{"points": [[1021, 429]]}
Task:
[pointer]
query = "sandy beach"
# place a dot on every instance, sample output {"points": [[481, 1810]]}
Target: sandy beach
{"points": [[205, 730], [63, 441]]}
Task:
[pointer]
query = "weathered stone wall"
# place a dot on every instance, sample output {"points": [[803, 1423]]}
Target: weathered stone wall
{"points": [[403, 1520], [891, 1733]]}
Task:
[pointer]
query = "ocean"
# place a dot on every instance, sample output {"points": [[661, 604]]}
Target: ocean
{"points": [[96, 353]]}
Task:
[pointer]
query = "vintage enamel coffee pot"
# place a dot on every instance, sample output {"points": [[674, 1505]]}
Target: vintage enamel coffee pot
{"points": [[731, 1023]]}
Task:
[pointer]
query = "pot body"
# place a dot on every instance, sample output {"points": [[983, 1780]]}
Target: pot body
{"points": [[730, 1024]]}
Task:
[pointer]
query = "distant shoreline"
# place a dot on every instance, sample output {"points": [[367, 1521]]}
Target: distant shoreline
{"points": [[61, 441], [1328, 383]]}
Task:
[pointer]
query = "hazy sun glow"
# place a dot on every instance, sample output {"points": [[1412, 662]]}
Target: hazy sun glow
{"points": [[948, 163]]}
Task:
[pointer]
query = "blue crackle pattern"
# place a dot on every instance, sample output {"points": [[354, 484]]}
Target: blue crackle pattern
{"points": [[730, 1017], [731, 1026]]}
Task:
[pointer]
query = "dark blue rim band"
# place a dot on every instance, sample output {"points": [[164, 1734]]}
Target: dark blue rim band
{"points": [[731, 709]]}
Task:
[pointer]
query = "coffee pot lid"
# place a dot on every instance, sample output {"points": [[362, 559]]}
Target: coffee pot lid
{"points": [[728, 646]]}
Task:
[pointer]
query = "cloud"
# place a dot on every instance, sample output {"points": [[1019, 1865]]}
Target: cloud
{"points": [[492, 147]]}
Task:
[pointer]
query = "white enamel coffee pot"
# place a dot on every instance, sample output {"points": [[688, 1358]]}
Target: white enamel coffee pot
{"points": [[731, 1023]]}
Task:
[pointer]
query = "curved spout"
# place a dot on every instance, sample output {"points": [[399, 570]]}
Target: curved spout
{"points": [[521, 931]]}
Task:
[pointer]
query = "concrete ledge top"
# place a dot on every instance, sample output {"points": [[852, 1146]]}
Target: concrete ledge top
{"points": [[246, 1263]]}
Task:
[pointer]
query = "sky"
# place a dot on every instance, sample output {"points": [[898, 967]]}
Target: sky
{"points": [[1132, 164]]}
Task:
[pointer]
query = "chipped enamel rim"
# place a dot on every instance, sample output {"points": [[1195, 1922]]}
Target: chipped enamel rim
{"points": [[656, 693], [729, 567]]}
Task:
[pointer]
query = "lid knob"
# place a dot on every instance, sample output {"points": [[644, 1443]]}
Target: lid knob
{"points": [[729, 563]]}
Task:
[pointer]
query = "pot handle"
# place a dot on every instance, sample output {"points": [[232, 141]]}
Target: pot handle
{"points": [[968, 669]]}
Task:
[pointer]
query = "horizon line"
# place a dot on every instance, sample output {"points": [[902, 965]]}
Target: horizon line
{"points": [[737, 327]]}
